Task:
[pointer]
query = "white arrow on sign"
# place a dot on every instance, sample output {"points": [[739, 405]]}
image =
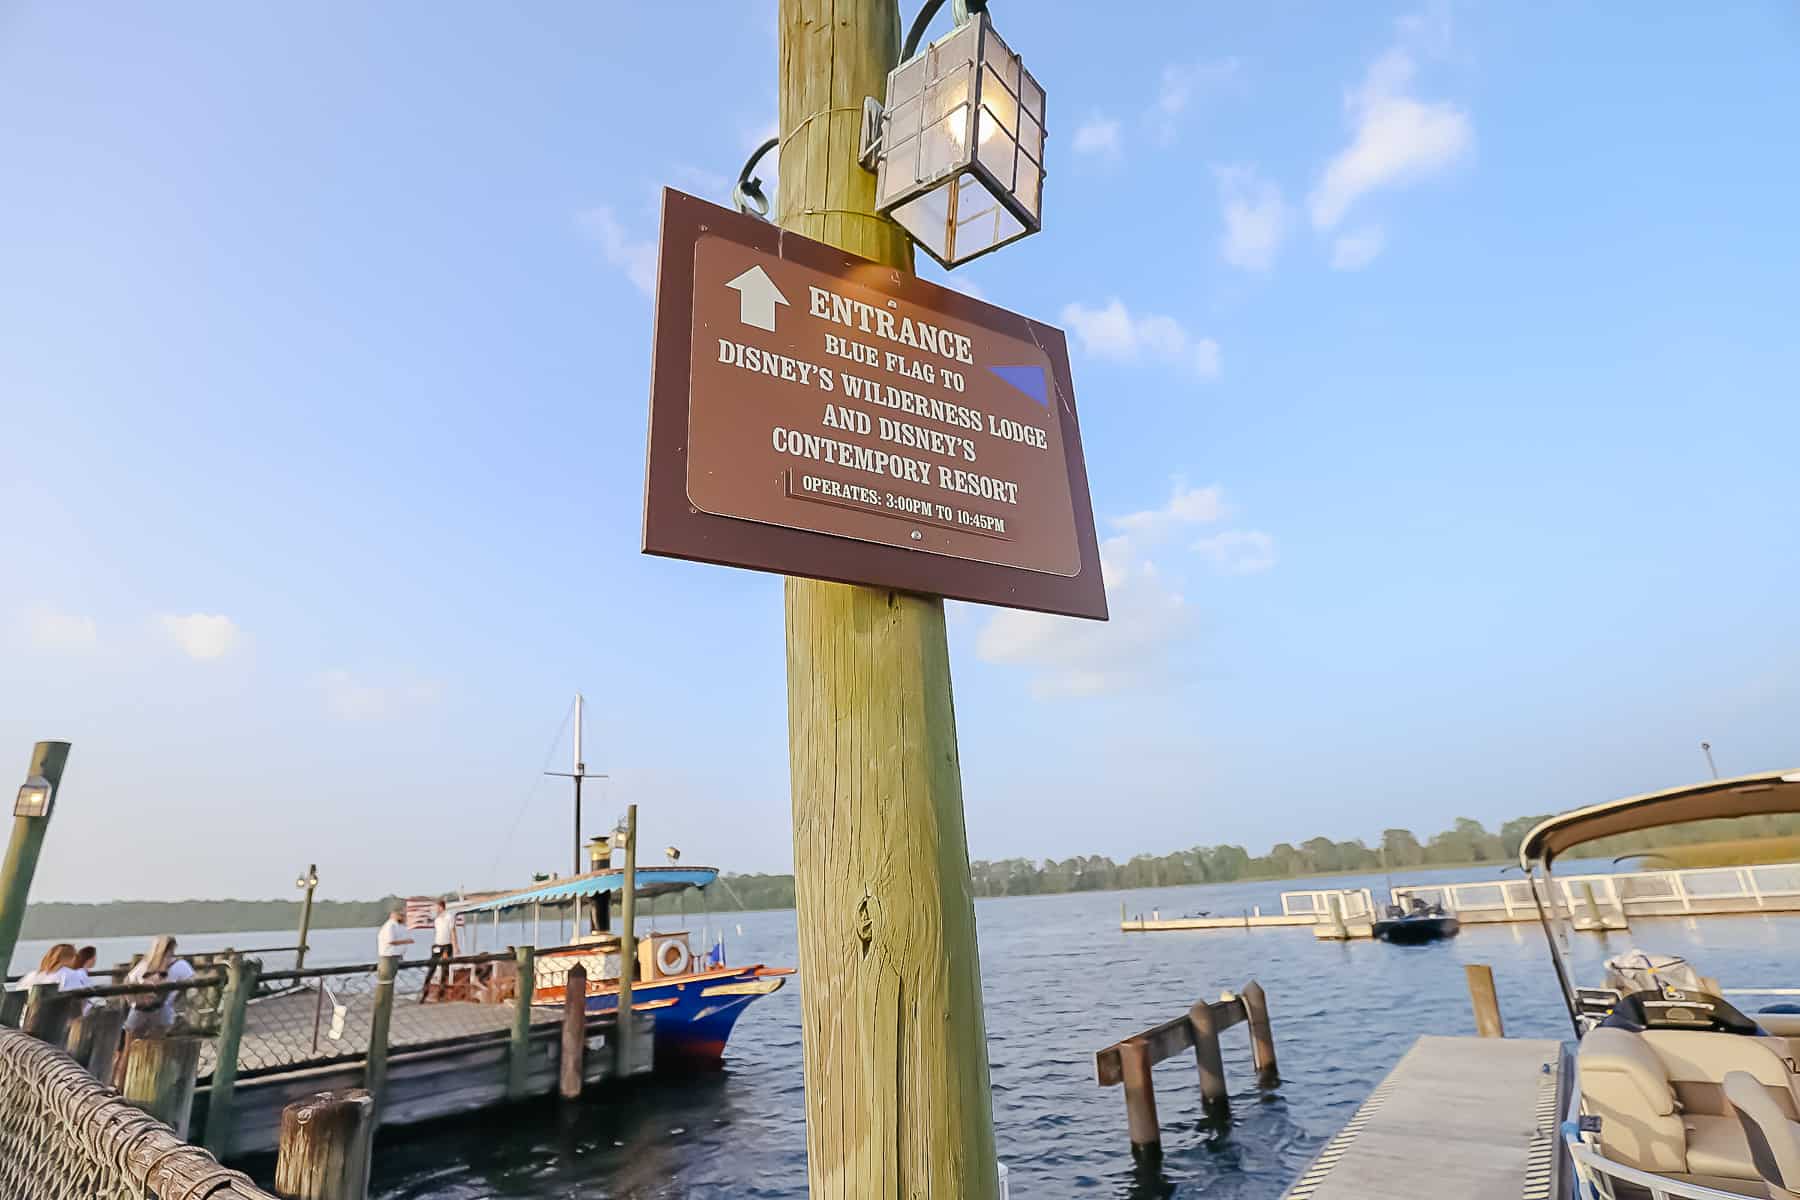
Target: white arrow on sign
{"points": [[757, 298]]}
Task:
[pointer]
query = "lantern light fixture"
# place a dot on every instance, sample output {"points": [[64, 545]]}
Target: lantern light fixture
{"points": [[36, 797], [958, 148]]}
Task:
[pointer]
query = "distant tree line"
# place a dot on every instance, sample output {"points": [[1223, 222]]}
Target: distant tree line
{"points": [[1466, 842]]}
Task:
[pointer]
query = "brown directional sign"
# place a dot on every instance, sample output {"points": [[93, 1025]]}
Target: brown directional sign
{"points": [[814, 413]]}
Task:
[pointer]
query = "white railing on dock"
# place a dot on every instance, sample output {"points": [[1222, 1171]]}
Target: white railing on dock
{"points": [[1355, 903], [1774, 885]]}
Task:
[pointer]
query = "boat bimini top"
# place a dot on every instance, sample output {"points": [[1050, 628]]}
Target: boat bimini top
{"points": [[1716, 799]]}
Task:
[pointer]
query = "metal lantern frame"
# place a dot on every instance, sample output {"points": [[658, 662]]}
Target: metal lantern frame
{"points": [[963, 126], [36, 798]]}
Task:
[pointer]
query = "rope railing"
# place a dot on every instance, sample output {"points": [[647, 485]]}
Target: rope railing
{"points": [[64, 1136]]}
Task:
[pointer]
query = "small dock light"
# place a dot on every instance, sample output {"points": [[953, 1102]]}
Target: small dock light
{"points": [[34, 798], [958, 150]]}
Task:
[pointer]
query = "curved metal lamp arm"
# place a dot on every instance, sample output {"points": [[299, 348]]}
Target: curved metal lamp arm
{"points": [[916, 34], [748, 195]]}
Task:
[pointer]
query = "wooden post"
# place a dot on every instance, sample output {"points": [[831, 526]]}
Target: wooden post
{"points": [[20, 863], [375, 1075], [47, 1014], [1335, 903], [325, 1147], [94, 1040], [623, 1031], [518, 1051], [1485, 1000], [1593, 905], [1262, 1035], [1140, 1101], [12, 1007], [895, 1047], [574, 1034], [159, 1078], [1206, 1055], [221, 1116]]}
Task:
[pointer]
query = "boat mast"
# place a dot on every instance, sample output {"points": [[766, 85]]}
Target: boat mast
{"points": [[580, 770]]}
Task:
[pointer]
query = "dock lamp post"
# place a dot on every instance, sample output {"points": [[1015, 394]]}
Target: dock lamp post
{"points": [[31, 819], [306, 883], [958, 146]]}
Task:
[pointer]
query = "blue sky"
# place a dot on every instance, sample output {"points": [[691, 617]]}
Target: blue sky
{"points": [[1436, 367]]}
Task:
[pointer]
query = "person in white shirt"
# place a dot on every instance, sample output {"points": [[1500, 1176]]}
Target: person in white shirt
{"points": [[392, 935], [54, 967], [443, 949], [153, 1013]]}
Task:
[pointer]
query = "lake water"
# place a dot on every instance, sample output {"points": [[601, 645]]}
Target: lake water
{"points": [[1060, 982]]}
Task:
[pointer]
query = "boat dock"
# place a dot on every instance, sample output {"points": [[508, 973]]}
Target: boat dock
{"points": [[1588, 902], [1474, 1118]]}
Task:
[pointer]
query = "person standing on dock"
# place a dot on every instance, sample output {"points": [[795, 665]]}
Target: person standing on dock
{"points": [[153, 1013], [443, 949], [392, 935]]}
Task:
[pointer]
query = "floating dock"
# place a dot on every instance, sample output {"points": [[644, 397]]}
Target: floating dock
{"points": [[1473, 1118]]}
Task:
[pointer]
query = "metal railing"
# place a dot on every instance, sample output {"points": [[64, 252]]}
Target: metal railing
{"points": [[64, 1136], [1645, 893], [1355, 902]]}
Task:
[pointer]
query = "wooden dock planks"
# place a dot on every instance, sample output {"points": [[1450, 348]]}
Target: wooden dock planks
{"points": [[1463, 1117]]}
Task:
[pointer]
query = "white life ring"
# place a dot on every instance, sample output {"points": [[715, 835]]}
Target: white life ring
{"points": [[671, 958]]}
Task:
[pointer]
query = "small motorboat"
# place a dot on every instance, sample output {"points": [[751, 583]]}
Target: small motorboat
{"points": [[1416, 922]]}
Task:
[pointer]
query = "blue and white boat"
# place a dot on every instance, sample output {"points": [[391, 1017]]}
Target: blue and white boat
{"points": [[695, 995]]}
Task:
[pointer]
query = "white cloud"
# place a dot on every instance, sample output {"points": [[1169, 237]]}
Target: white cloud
{"points": [[634, 257], [203, 636], [1256, 218], [1357, 249], [1395, 139], [65, 632], [1186, 506], [352, 699], [1112, 332], [1181, 84], [1238, 551], [1098, 136], [1070, 657]]}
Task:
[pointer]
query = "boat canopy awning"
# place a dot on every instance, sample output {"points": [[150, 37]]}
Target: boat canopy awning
{"points": [[651, 882], [1716, 799]]}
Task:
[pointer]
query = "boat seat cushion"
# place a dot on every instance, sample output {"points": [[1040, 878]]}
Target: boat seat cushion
{"points": [[1624, 1083], [1717, 1146], [1784, 1025], [1691, 1056], [1772, 1141]]}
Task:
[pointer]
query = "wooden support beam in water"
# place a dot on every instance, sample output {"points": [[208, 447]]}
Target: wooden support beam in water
{"points": [[1211, 1065], [1140, 1100], [1129, 1061], [326, 1144], [159, 1078], [1484, 999], [1262, 1035], [574, 1034]]}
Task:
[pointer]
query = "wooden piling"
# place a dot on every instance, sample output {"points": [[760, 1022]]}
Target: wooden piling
{"points": [[1262, 1034], [518, 1051], [375, 1074], [94, 1040], [159, 1078], [47, 1014], [1140, 1100], [574, 1033], [1593, 906], [326, 1144], [1213, 1090], [240, 985], [12, 1007], [1485, 1000], [1335, 903]]}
